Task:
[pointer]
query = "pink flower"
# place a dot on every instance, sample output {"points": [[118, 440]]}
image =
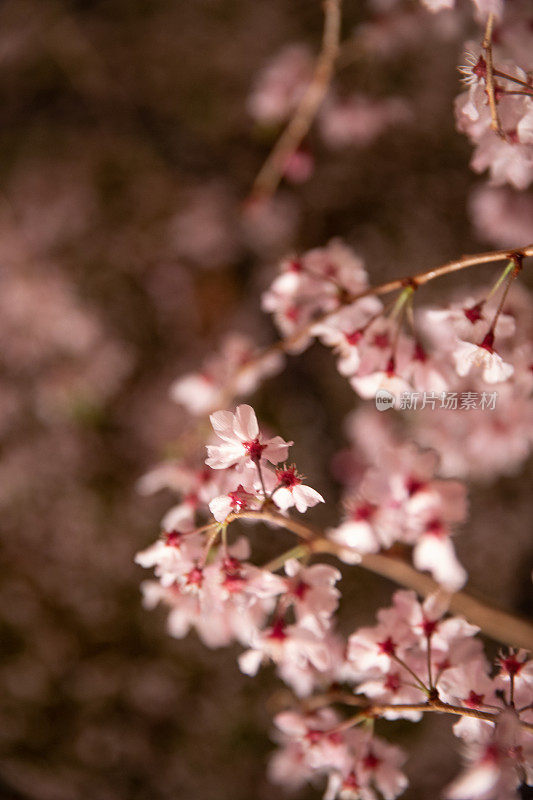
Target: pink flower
{"points": [[358, 533], [296, 650], [375, 648], [311, 285], [173, 556], [345, 332], [280, 85], [313, 594], [435, 552], [235, 501], [483, 357], [292, 492], [387, 380], [358, 120], [469, 684], [236, 366], [242, 444], [499, 762], [502, 215], [321, 746], [387, 655]]}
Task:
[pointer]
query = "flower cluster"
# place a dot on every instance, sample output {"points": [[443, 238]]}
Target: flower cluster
{"points": [[355, 762], [400, 498], [316, 284], [212, 586], [355, 120], [412, 661], [408, 652], [508, 152], [499, 756], [478, 343], [233, 368]]}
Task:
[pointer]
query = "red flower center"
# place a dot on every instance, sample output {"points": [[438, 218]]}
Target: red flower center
{"points": [[414, 485], [474, 700], [473, 314], [363, 512], [370, 761], [511, 665], [288, 477], [387, 647], [392, 682], [354, 337], [194, 577], [381, 340], [277, 631], [429, 627], [419, 353], [488, 342], [254, 449], [173, 539], [300, 590]]}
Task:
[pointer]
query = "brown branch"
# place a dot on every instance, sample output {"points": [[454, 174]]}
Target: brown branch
{"points": [[435, 706], [493, 622], [269, 177], [508, 77], [489, 80]]}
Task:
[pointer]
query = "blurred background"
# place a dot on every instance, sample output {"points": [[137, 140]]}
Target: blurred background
{"points": [[129, 143]]}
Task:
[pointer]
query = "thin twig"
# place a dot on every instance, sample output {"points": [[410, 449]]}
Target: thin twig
{"points": [[269, 177], [497, 73], [435, 706], [489, 80]]}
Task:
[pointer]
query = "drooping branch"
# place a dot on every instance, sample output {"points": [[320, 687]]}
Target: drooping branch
{"points": [[420, 279], [493, 622], [269, 177]]}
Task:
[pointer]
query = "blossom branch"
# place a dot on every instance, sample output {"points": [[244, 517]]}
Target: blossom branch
{"points": [[414, 281], [499, 625], [272, 170]]}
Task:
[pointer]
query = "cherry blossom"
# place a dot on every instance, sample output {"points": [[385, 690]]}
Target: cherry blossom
{"points": [[508, 154], [235, 366], [356, 763], [242, 444], [224, 600], [358, 120], [238, 500], [499, 762], [483, 356], [294, 648], [502, 215], [312, 593], [281, 84], [404, 500], [312, 284], [388, 655], [290, 491]]}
